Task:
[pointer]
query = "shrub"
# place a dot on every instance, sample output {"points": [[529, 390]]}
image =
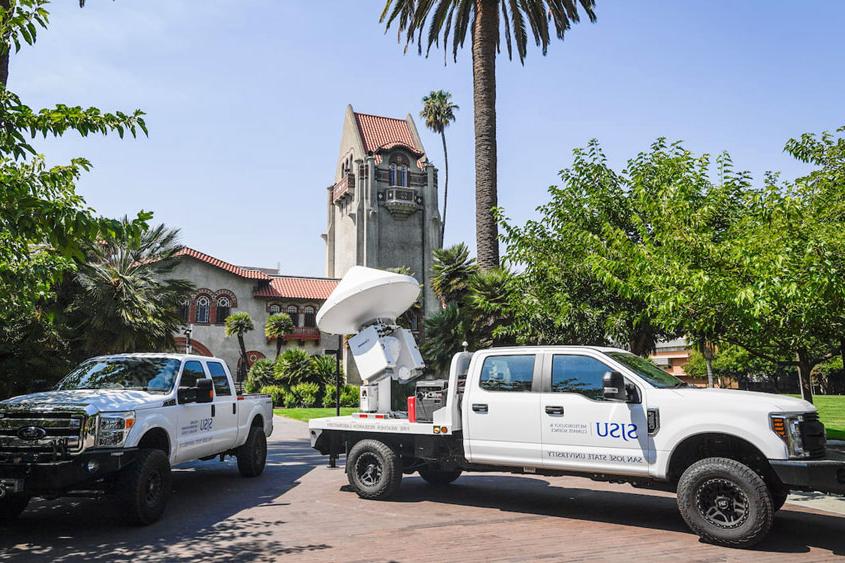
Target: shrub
{"points": [[259, 375], [307, 394], [350, 396], [290, 400], [323, 369], [294, 367], [328, 395], [277, 394]]}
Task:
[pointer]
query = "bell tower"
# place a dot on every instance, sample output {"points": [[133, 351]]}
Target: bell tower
{"points": [[382, 209]]}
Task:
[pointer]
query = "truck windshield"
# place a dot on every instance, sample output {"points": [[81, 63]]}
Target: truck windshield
{"points": [[153, 375], [647, 370]]}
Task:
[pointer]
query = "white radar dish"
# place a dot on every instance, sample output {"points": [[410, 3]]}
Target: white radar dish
{"points": [[364, 295]]}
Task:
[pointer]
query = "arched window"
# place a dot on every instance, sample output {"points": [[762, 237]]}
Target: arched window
{"points": [[403, 176], [203, 309], [294, 314], [224, 307], [184, 307], [310, 317], [392, 174], [274, 308]]}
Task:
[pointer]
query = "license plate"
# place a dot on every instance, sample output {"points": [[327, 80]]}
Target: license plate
{"points": [[12, 485]]}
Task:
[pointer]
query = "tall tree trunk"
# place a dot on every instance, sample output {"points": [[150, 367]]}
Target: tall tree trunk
{"points": [[279, 340], [708, 361], [485, 34], [445, 188], [243, 368], [4, 58], [805, 366]]}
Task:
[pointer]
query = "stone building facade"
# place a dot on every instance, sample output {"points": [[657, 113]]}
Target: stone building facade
{"points": [[382, 209], [223, 288]]}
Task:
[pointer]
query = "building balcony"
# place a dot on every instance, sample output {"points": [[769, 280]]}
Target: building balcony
{"points": [[400, 201], [343, 188], [305, 333]]}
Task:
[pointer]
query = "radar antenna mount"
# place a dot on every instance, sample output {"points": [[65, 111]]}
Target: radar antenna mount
{"points": [[366, 304]]}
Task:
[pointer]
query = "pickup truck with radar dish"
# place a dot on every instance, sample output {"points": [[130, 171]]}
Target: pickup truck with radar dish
{"points": [[116, 424], [731, 456]]}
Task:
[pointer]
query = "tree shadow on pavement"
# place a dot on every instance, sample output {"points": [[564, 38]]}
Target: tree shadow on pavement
{"points": [[200, 521], [793, 531]]}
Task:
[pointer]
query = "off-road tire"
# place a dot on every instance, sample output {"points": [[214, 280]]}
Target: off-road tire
{"points": [[778, 499], [144, 487], [252, 456], [11, 506], [437, 477], [374, 470], [710, 492]]}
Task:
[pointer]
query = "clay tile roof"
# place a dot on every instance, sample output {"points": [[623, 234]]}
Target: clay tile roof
{"points": [[380, 132], [294, 287], [217, 263]]}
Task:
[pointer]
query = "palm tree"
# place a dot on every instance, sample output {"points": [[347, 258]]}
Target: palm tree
{"points": [[445, 19], [278, 326], [238, 324], [451, 274], [123, 297], [438, 112]]}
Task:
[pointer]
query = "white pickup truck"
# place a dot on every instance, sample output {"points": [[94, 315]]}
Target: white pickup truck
{"points": [[116, 424], [603, 413]]}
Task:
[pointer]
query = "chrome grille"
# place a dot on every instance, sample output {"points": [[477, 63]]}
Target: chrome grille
{"points": [[60, 432]]}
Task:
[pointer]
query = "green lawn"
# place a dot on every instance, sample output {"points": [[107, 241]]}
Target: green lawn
{"points": [[832, 412], [307, 414]]}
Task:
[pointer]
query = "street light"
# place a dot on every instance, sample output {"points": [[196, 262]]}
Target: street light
{"points": [[337, 354]]}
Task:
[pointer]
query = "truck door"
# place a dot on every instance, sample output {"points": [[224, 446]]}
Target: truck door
{"points": [[581, 431], [195, 437], [225, 412], [503, 412]]}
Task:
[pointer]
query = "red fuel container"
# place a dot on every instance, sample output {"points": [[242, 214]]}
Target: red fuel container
{"points": [[412, 409]]}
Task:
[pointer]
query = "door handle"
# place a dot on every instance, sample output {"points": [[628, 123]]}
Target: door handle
{"points": [[234, 408], [213, 411], [554, 410], [479, 408]]}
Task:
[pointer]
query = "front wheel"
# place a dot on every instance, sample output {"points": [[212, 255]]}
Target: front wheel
{"points": [[252, 456], [433, 475], [725, 502], [11, 506], [779, 499], [374, 470], [145, 487]]}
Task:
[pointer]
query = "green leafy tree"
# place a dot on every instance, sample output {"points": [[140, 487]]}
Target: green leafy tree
{"points": [[487, 22], [126, 299], [238, 324], [260, 375], [439, 112], [293, 367], [277, 326], [323, 368]]}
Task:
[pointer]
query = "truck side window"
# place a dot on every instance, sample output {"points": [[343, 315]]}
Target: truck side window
{"points": [[507, 373], [579, 374], [221, 382], [191, 373]]}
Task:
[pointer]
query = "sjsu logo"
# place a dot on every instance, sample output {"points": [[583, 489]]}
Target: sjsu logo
{"points": [[617, 430]]}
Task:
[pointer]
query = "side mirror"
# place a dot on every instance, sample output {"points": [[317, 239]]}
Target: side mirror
{"points": [[205, 390], [614, 387]]}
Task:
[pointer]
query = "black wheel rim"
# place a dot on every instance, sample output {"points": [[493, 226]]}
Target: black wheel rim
{"points": [[722, 503], [368, 468], [153, 489]]}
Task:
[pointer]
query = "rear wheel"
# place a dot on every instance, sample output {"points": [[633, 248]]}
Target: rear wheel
{"points": [[725, 502], [252, 456], [11, 506], [145, 487], [434, 475], [374, 470]]}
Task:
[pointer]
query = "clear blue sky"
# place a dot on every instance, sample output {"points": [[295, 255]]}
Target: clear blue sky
{"points": [[245, 101]]}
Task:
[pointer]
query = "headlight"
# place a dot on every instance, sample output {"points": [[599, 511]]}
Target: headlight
{"points": [[113, 429], [788, 427]]}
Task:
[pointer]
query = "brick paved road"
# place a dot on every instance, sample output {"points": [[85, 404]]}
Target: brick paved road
{"points": [[302, 511]]}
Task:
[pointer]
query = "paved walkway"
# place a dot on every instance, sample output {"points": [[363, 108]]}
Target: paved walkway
{"points": [[300, 510]]}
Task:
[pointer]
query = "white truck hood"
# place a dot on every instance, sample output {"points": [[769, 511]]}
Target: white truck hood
{"points": [[746, 399], [104, 400]]}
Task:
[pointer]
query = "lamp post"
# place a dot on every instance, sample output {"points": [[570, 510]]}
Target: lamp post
{"points": [[337, 353]]}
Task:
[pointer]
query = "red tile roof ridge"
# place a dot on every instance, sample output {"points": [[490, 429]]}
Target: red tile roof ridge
{"points": [[222, 264]]}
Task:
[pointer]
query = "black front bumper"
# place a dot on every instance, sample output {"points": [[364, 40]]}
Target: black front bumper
{"points": [[63, 476], [826, 475]]}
